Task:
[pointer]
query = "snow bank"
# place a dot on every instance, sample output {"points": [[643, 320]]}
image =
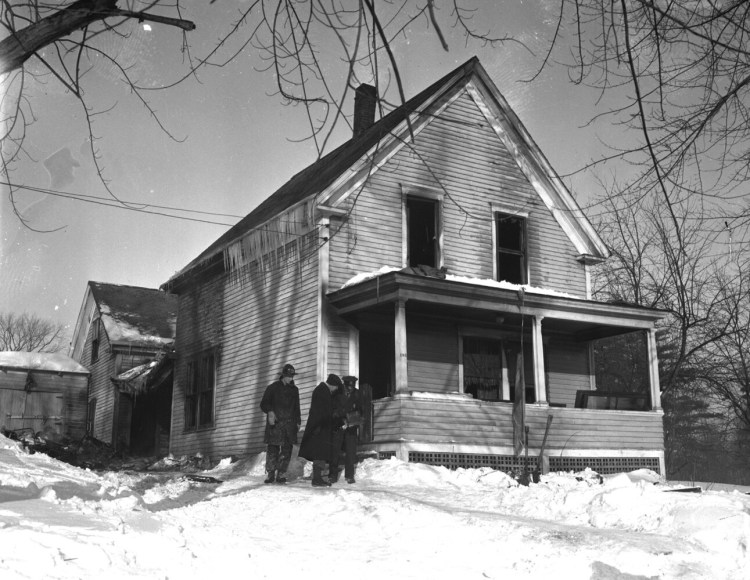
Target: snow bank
{"points": [[400, 520]]}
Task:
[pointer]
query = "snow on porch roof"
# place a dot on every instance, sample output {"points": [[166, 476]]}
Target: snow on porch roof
{"points": [[136, 315], [41, 361], [359, 278]]}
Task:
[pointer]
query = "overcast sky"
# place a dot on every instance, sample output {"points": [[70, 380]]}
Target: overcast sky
{"points": [[238, 144]]}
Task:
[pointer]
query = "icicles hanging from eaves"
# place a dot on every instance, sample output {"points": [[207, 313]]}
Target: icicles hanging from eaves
{"points": [[279, 243]]}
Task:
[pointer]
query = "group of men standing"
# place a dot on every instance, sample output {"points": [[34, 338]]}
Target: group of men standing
{"points": [[333, 422]]}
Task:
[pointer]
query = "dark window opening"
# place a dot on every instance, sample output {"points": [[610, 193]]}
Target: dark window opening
{"points": [[90, 416], [511, 248], [422, 217], [199, 392], [95, 340]]}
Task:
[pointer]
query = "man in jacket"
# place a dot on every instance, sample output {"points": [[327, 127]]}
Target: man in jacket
{"points": [[348, 406], [316, 440], [281, 404]]}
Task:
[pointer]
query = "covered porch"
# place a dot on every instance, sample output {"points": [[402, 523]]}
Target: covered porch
{"points": [[442, 357]]}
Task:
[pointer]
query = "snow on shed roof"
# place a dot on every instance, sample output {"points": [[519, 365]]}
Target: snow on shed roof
{"points": [[137, 315], [41, 361]]}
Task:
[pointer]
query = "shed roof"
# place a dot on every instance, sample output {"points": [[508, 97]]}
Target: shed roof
{"points": [[136, 315], [41, 361]]}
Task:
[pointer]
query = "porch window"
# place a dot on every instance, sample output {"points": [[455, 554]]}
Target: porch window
{"points": [[510, 250], [489, 368], [199, 392], [422, 232], [95, 340], [485, 375]]}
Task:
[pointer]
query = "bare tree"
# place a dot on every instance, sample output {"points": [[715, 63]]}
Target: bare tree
{"points": [[30, 333], [674, 79], [62, 40], [668, 257]]}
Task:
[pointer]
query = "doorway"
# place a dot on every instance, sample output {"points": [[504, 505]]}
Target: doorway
{"points": [[376, 362]]}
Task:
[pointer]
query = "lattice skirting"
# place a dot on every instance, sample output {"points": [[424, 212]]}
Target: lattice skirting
{"points": [[468, 460], [602, 465]]}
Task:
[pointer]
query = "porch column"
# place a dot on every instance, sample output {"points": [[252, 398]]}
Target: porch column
{"points": [[653, 369], [540, 386], [353, 350], [402, 379]]}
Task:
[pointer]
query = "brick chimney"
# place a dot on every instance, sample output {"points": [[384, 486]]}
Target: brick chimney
{"points": [[365, 100]]}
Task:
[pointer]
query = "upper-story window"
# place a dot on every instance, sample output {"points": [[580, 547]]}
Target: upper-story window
{"points": [[510, 248], [95, 340], [422, 232], [199, 391]]}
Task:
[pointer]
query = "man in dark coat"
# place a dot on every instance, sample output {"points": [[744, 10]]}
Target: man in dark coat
{"points": [[316, 440], [347, 405], [281, 404]]}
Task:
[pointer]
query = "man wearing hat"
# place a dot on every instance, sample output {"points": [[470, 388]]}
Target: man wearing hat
{"points": [[280, 403], [348, 406], [316, 440]]}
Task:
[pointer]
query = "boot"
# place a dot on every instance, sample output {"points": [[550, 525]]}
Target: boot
{"points": [[281, 477], [271, 477], [317, 478]]}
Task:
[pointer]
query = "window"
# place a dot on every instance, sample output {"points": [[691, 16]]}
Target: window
{"points": [[422, 232], [485, 375], [95, 340], [199, 392], [90, 416], [490, 365], [511, 248]]}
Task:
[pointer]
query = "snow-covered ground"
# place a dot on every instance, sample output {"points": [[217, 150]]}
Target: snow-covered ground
{"points": [[399, 521]]}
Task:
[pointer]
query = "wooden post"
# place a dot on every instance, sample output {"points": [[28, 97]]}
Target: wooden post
{"points": [[540, 386], [653, 369], [402, 378]]}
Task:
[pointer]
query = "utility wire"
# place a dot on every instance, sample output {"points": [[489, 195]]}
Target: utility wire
{"points": [[125, 204]]}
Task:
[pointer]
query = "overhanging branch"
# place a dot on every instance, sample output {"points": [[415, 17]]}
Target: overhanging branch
{"points": [[17, 48]]}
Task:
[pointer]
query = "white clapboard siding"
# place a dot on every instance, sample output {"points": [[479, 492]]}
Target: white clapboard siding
{"points": [[102, 388], [473, 422], [432, 347], [567, 370], [461, 156], [338, 346], [256, 326]]}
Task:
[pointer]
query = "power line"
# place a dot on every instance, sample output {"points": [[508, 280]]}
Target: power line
{"points": [[127, 205]]}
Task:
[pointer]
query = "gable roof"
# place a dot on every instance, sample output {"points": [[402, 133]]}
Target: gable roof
{"points": [[319, 176], [131, 315], [136, 315]]}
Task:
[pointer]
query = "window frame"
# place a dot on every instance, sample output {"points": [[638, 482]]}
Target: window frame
{"points": [[423, 194], [501, 212], [197, 396]]}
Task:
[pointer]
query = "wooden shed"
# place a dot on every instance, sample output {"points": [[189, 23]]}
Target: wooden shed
{"points": [[43, 393]]}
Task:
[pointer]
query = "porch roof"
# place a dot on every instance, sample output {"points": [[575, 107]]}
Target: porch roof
{"points": [[585, 317]]}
